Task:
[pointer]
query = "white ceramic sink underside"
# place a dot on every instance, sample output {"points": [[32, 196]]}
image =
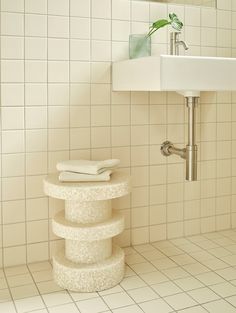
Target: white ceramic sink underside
{"points": [[175, 73]]}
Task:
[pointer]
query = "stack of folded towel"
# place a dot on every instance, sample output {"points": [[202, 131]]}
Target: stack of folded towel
{"points": [[85, 170]]}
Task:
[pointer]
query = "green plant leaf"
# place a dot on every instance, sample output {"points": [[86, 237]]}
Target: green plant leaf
{"points": [[159, 24]]}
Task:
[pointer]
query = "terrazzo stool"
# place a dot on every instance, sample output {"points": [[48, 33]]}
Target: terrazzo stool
{"points": [[89, 261]]}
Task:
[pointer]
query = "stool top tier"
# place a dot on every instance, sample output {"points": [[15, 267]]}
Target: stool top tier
{"points": [[118, 186]]}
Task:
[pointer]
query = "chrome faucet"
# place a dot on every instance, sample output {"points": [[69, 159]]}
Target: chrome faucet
{"points": [[175, 43]]}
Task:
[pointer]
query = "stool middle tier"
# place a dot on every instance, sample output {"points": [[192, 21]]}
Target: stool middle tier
{"points": [[89, 262]]}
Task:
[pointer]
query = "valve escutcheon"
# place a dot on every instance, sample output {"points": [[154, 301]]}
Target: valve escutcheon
{"points": [[165, 148]]}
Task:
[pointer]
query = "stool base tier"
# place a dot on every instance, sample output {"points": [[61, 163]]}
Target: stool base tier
{"points": [[89, 277]]}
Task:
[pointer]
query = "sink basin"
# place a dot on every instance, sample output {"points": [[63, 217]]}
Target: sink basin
{"points": [[183, 74]]}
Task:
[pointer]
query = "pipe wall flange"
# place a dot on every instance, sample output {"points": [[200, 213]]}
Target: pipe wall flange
{"points": [[165, 148]]}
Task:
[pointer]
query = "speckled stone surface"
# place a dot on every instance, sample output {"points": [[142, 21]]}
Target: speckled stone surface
{"points": [[91, 277], [88, 212], [88, 262], [87, 232], [88, 252], [118, 186]]}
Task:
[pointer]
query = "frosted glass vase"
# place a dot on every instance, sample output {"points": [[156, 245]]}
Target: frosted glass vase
{"points": [[139, 46]]}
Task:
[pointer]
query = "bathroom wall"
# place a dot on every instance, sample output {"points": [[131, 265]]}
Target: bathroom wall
{"points": [[57, 103]]}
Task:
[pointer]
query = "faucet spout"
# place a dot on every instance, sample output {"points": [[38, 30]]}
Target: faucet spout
{"points": [[182, 43], [175, 43]]}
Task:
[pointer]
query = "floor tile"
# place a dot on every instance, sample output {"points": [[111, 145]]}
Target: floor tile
{"points": [[48, 286], [219, 252], [152, 255], [183, 259], [196, 268], [65, 308], [115, 289], [3, 283], [154, 278], [188, 283], [79, 296], [5, 295], [163, 263], [7, 307], [227, 273], [175, 273], [134, 259], [129, 309], [224, 289], [166, 289], [195, 309], [118, 300], [42, 276], [142, 294], [144, 247], [180, 301], [144, 267], [132, 282], [151, 306], [29, 304], [16, 270], [19, 280], [215, 264], [210, 278], [229, 259], [40, 266], [95, 305], [24, 291], [219, 307], [203, 295], [56, 298]]}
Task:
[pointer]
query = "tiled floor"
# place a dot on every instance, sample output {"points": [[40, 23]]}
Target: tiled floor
{"points": [[189, 275]]}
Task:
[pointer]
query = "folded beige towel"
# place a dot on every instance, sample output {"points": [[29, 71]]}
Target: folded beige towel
{"points": [[77, 177], [86, 166]]}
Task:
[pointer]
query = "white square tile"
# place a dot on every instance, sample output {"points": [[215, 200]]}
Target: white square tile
{"points": [[95, 304], [132, 283], [117, 300], [11, 214], [128, 309], [35, 25], [12, 71], [219, 306], [56, 298], [25, 305], [12, 24], [151, 306], [210, 278], [58, 26], [19, 280], [8, 307], [58, 71], [36, 71], [79, 8], [64, 308], [12, 118], [12, 47], [166, 289], [142, 294], [58, 49], [80, 28], [35, 48], [13, 188], [101, 9], [12, 5], [203, 295], [180, 301], [56, 7], [34, 6], [80, 50]]}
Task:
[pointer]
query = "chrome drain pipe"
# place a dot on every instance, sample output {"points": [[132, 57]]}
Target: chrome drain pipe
{"points": [[190, 152]]}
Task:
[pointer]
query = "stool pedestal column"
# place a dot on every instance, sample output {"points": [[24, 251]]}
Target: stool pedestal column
{"points": [[89, 262]]}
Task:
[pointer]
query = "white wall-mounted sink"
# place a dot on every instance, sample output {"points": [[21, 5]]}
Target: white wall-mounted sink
{"points": [[182, 74]]}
